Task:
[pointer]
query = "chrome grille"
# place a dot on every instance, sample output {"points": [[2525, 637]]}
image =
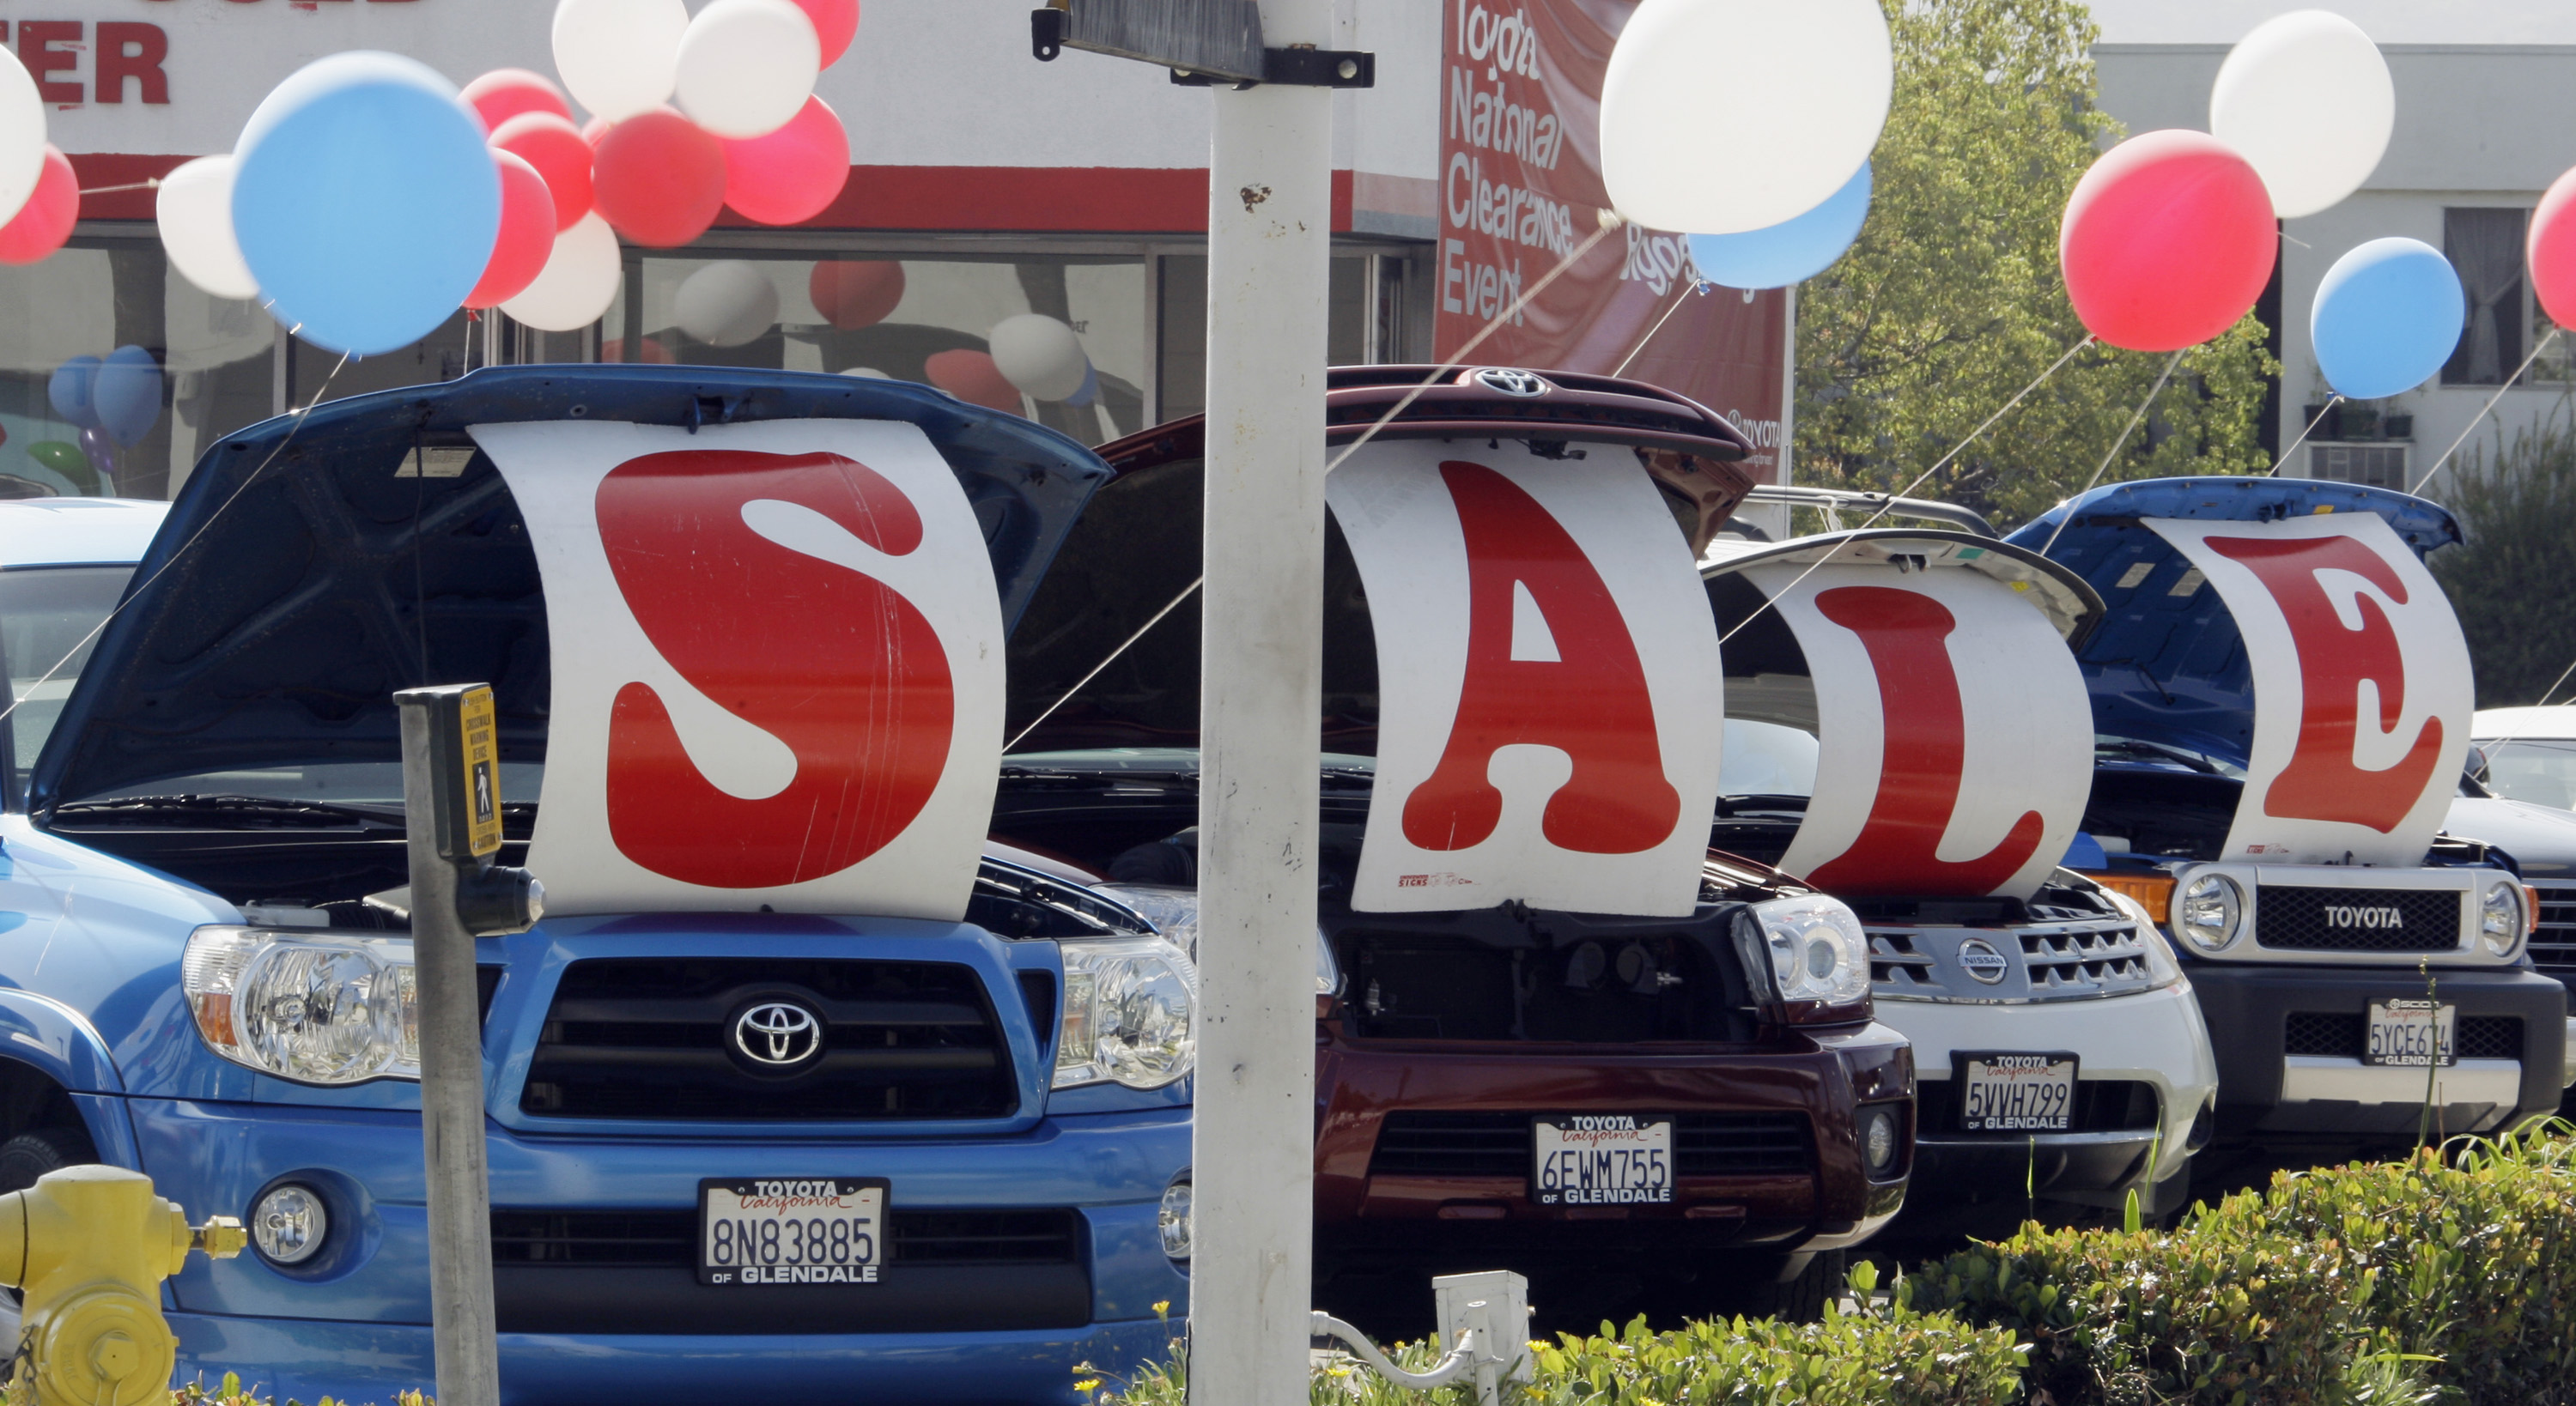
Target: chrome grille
{"points": [[1895, 964], [2089, 963], [2553, 943], [2055, 961]]}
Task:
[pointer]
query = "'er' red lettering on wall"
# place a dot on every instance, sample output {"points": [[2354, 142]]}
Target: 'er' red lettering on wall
{"points": [[2321, 782], [1591, 703], [1922, 759], [834, 663]]}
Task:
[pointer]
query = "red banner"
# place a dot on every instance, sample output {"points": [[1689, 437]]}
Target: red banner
{"points": [[1520, 189]]}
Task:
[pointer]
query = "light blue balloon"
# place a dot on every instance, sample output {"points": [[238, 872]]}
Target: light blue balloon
{"points": [[70, 391], [2387, 316], [128, 395], [365, 201], [1790, 252]]}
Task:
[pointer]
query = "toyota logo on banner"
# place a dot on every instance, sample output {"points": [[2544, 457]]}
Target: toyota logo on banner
{"points": [[777, 1034]]}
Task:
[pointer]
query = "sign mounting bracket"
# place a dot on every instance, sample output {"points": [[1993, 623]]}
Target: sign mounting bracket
{"points": [[1205, 43]]}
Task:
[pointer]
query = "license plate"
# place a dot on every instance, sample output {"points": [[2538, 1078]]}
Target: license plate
{"points": [[1601, 1159], [2016, 1093], [2411, 1034], [819, 1230]]}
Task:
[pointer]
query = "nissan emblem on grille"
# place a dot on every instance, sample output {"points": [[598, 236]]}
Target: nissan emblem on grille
{"points": [[778, 1034], [1526, 385], [1979, 959]]}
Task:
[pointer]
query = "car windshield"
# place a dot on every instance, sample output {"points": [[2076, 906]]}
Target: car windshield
{"points": [[1766, 759], [2539, 770], [361, 785], [49, 619]]}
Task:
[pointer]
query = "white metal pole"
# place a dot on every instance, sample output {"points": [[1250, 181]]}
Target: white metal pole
{"points": [[1269, 251]]}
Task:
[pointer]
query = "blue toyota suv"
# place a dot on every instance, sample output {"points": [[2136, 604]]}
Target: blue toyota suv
{"points": [[204, 954]]}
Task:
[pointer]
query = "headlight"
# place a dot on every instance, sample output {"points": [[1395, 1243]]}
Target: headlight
{"points": [[2162, 969], [1174, 912], [1817, 950], [289, 1224], [2500, 917], [317, 1008], [1128, 1007], [2208, 912]]}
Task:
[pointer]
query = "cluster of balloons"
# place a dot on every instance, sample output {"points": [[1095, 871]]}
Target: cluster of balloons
{"points": [[1768, 172], [39, 195], [368, 198], [1030, 353], [114, 401]]}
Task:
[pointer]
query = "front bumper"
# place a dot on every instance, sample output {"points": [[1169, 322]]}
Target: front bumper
{"points": [[1367, 1214], [2153, 1038], [2277, 1082], [353, 1323]]}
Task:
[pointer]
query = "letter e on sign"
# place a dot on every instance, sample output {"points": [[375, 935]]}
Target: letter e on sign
{"points": [[1548, 682]]}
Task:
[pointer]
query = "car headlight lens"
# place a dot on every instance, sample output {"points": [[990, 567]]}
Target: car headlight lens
{"points": [[2163, 969], [1129, 1004], [317, 1008], [1174, 912], [289, 1224], [2500, 917], [1817, 949], [1172, 1219], [2208, 912]]}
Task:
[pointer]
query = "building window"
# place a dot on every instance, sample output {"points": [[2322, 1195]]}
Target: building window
{"points": [[2375, 465], [2485, 245]]}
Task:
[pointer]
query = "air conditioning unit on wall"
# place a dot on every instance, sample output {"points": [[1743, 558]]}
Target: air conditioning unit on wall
{"points": [[2378, 464]]}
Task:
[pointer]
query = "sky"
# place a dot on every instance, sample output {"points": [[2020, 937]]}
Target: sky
{"points": [[2387, 21]]}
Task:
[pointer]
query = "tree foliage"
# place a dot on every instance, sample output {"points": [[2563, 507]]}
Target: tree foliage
{"points": [[1951, 301], [2514, 582]]}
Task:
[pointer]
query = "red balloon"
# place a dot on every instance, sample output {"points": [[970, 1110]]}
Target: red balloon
{"points": [[972, 377], [554, 146], [527, 237], [2550, 248], [46, 220], [852, 293], [659, 179], [2168, 240], [504, 93], [792, 174], [835, 23]]}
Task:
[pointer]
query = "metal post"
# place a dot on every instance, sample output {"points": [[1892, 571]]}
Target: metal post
{"points": [[451, 1082], [1269, 246]]}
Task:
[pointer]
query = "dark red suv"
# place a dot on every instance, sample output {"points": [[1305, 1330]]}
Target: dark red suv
{"points": [[1480, 1071]]}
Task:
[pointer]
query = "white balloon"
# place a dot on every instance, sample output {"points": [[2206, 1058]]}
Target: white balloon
{"points": [[619, 57], [1039, 355], [747, 66], [726, 304], [1721, 116], [2307, 99], [22, 136], [867, 373], [580, 281], [195, 212]]}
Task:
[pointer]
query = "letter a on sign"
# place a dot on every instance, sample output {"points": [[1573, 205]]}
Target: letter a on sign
{"points": [[2362, 689], [777, 660], [1548, 683]]}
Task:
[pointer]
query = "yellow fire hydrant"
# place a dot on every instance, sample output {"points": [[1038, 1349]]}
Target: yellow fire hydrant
{"points": [[90, 1247]]}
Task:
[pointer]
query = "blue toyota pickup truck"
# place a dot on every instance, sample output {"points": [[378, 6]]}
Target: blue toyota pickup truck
{"points": [[776, 948]]}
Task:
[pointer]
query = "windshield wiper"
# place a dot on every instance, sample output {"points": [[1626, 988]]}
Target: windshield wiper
{"points": [[2129, 746], [248, 809]]}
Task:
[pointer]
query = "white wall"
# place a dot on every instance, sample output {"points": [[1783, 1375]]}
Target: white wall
{"points": [[2477, 125]]}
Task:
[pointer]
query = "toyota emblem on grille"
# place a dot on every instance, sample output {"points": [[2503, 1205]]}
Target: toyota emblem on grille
{"points": [[1979, 959], [777, 1034], [1524, 384]]}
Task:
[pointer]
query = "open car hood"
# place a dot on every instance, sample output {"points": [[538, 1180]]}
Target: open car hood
{"points": [[2168, 664], [284, 600]]}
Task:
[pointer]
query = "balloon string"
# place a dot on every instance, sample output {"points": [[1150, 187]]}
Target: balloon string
{"points": [[134, 593], [153, 184], [1608, 222], [2331, 402], [2116, 446], [1634, 352], [2541, 346], [1955, 451]]}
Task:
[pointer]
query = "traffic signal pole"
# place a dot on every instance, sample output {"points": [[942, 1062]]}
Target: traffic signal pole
{"points": [[1261, 705]]}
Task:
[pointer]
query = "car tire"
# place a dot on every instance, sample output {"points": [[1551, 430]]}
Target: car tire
{"points": [[1802, 1299], [31, 1154]]}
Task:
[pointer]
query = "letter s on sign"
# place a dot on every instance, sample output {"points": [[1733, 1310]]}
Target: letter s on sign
{"points": [[834, 663]]}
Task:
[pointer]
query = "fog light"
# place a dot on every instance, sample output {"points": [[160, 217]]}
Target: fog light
{"points": [[1878, 1140], [1173, 1220], [289, 1224]]}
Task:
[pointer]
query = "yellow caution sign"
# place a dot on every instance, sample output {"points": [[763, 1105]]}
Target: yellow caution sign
{"points": [[478, 728]]}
